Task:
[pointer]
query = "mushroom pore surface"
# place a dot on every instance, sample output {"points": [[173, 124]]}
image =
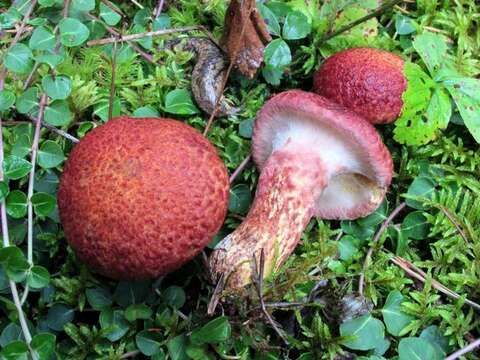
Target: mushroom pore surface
{"points": [[316, 159], [140, 197]]}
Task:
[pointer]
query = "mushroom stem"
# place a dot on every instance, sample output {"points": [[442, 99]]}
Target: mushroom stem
{"points": [[291, 181]]}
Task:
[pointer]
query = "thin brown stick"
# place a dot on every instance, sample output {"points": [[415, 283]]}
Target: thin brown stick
{"points": [[112, 85], [240, 168], [130, 354], [136, 3], [114, 32], [373, 14], [212, 305], [112, 7], [66, 7], [131, 37], [420, 275], [454, 223], [377, 236], [56, 131], [257, 279], [463, 351]]}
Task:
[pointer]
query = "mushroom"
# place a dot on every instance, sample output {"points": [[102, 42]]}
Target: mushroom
{"points": [[316, 159], [140, 197], [368, 81]]}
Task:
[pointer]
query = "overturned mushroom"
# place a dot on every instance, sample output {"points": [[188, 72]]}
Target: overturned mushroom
{"points": [[316, 159], [208, 75]]}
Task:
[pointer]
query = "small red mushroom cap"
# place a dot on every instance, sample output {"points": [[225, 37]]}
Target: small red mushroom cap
{"points": [[365, 80], [357, 162], [140, 197]]}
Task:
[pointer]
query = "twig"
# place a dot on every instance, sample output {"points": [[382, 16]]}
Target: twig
{"points": [[56, 131], [240, 168], [142, 35], [373, 14], [137, 4], [66, 6], [114, 32], [112, 85], [257, 279], [130, 354], [418, 274], [112, 7], [463, 351], [212, 305], [377, 236], [159, 8], [31, 181], [455, 223]]}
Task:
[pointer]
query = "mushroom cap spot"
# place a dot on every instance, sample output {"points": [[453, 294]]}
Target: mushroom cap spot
{"points": [[365, 80], [140, 197], [358, 165]]}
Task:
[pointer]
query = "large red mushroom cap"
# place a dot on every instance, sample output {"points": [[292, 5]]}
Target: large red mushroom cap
{"points": [[140, 197], [365, 80], [316, 159]]}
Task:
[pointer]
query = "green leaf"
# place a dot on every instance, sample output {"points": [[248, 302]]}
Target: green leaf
{"points": [[17, 204], [73, 32], [142, 17], [83, 5], [148, 342], [432, 48], [28, 101], [145, 112], [270, 19], [272, 74], [58, 113], [99, 298], [277, 54], [245, 128], [395, 319], [15, 167], [58, 87], [415, 225], [364, 333], [101, 109], [137, 311], [22, 146], [4, 190], [58, 316], [240, 199], [213, 332], [375, 218], [14, 262], [51, 60], [50, 155], [348, 247], [42, 39], [466, 94], [413, 348], [131, 292], [11, 332], [403, 25], [162, 22], [421, 187], [114, 324], [435, 337], [19, 59], [16, 350], [47, 3], [179, 101], [297, 26], [174, 296], [176, 348], [439, 110], [108, 15], [412, 128], [38, 277], [7, 99], [43, 203], [43, 345]]}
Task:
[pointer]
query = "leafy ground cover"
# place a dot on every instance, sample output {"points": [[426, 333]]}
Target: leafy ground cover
{"points": [[402, 283]]}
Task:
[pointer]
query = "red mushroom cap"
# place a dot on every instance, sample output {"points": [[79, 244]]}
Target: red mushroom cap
{"points": [[140, 197], [365, 80], [357, 160]]}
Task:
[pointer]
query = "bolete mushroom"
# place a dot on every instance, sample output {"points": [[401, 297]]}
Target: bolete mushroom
{"points": [[316, 159], [368, 81], [140, 197]]}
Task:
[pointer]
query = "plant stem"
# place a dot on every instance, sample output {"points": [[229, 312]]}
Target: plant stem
{"points": [[142, 35], [159, 8], [465, 350], [112, 85], [56, 131], [377, 236], [240, 168]]}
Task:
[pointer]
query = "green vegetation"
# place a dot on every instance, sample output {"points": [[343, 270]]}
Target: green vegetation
{"points": [[428, 253]]}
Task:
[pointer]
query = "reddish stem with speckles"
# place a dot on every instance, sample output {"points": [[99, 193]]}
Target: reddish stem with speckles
{"points": [[289, 186]]}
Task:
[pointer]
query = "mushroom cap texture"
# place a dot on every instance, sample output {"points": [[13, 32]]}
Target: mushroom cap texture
{"points": [[365, 80], [140, 197], [352, 149]]}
